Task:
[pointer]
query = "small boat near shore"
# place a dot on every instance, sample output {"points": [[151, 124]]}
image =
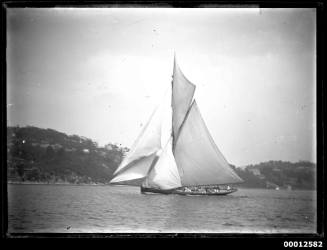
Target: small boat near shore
{"points": [[175, 153]]}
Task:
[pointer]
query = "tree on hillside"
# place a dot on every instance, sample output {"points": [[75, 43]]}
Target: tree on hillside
{"points": [[20, 170], [50, 153], [61, 154]]}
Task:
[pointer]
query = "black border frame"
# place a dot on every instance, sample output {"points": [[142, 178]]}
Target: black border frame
{"points": [[273, 240]]}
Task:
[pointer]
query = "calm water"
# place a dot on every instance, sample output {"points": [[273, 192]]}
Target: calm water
{"points": [[102, 209]]}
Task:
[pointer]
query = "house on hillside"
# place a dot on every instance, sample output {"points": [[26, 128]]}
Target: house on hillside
{"points": [[257, 173]]}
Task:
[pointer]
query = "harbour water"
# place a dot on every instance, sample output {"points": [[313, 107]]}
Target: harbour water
{"points": [[122, 209]]}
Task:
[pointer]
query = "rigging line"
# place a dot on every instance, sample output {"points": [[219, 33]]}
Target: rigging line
{"points": [[171, 103], [172, 115]]}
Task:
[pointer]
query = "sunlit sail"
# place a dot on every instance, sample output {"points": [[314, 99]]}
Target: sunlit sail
{"points": [[182, 95], [164, 174], [153, 136], [197, 156], [175, 153]]}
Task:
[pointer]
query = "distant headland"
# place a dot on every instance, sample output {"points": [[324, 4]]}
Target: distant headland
{"points": [[47, 156]]}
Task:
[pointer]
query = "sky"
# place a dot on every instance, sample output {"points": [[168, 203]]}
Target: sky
{"points": [[100, 73]]}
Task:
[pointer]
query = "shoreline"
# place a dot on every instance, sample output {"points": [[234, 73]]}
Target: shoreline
{"points": [[108, 184], [54, 183]]}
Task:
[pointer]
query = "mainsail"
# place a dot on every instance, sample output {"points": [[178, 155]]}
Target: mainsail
{"points": [[175, 148]]}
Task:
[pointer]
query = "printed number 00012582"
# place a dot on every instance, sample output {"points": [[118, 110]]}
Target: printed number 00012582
{"points": [[303, 244]]}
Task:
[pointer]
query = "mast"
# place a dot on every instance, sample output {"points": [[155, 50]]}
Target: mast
{"points": [[171, 103]]}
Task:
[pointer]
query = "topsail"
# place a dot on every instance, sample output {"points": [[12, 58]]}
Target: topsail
{"points": [[182, 95]]}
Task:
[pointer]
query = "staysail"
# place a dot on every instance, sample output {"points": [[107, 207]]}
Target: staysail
{"points": [[164, 175], [138, 169], [152, 138], [198, 158]]}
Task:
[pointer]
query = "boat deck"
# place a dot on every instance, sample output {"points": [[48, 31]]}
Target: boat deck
{"points": [[145, 190], [219, 192]]}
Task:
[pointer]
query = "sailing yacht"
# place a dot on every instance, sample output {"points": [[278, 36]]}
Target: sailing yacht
{"points": [[175, 153]]}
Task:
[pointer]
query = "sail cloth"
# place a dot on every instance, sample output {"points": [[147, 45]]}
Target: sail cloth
{"points": [[198, 158], [152, 138], [164, 174], [146, 144], [175, 147], [139, 169], [183, 91]]}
